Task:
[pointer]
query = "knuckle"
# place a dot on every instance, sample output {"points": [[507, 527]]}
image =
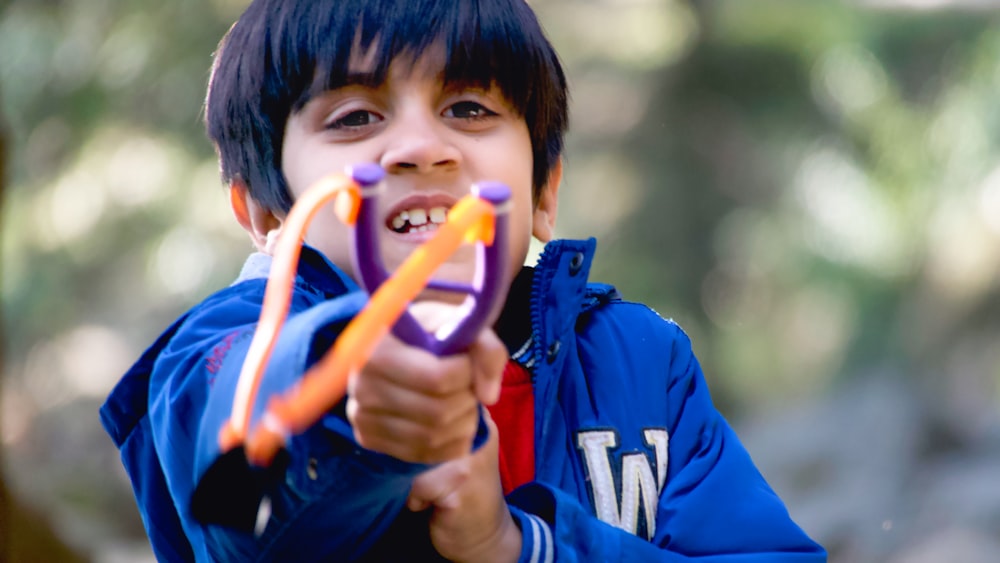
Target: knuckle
{"points": [[426, 378], [458, 417], [362, 391], [436, 384], [463, 469], [447, 379], [437, 419], [352, 410]]}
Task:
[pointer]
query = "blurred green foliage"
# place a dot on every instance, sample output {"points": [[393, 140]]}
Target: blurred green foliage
{"points": [[816, 191], [810, 188]]}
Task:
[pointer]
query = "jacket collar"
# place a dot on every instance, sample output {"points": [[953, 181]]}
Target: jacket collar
{"points": [[558, 296], [314, 270]]}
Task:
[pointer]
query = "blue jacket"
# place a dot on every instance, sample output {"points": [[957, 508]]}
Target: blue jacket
{"points": [[633, 462]]}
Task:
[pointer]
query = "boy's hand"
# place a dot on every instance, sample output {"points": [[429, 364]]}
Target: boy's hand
{"points": [[471, 521], [417, 407]]}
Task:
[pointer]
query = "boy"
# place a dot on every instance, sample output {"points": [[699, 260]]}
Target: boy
{"points": [[606, 443]]}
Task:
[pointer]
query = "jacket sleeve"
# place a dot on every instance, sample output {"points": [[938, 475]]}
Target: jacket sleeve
{"points": [[329, 495], [715, 506]]}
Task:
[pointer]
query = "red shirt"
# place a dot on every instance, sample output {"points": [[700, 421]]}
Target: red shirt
{"points": [[514, 414]]}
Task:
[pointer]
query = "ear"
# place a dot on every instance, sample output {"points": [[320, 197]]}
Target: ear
{"points": [[546, 208], [259, 222]]}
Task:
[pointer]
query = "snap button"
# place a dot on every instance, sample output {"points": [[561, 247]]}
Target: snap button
{"points": [[552, 352], [575, 263], [312, 470]]}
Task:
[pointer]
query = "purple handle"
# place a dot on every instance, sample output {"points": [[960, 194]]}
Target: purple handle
{"points": [[483, 292]]}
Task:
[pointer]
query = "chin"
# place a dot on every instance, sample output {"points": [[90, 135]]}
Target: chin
{"points": [[460, 267], [444, 297]]}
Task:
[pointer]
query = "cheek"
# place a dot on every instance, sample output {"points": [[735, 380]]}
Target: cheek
{"points": [[301, 173], [331, 237], [305, 161]]}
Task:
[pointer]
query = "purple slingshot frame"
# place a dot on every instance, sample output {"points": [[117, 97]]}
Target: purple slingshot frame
{"points": [[481, 295]]}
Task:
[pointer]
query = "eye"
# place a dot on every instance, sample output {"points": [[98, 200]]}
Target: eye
{"points": [[469, 110], [354, 120]]}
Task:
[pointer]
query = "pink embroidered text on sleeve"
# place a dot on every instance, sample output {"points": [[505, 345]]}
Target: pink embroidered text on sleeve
{"points": [[214, 362]]}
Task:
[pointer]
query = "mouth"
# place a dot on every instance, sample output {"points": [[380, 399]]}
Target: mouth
{"points": [[418, 215], [418, 220]]}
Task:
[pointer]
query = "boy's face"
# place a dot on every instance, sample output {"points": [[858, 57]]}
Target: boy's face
{"points": [[434, 140]]}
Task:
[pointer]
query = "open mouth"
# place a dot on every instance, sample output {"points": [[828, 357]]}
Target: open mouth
{"points": [[418, 219]]}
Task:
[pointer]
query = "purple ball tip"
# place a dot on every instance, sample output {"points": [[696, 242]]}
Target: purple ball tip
{"points": [[367, 174], [493, 192]]}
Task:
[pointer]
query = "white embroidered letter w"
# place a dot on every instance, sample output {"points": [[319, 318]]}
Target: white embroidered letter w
{"points": [[639, 486]]}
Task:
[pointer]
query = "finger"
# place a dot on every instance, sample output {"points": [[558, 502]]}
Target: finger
{"points": [[403, 439], [428, 416], [415, 368], [379, 395], [439, 485], [488, 356]]}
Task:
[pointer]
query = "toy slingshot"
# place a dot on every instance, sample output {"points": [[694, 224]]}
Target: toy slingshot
{"points": [[479, 218]]}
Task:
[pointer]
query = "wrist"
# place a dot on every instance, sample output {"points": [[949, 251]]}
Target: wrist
{"points": [[503, 547], [510, 542]]}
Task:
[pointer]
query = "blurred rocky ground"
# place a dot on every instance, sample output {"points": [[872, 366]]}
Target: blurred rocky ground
{"points": [[879, 473]]}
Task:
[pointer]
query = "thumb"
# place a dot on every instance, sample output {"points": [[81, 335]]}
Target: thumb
{"points": [[488, 356], [436, 485]]}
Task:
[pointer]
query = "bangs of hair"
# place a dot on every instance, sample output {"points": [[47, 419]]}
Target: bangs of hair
{"points": [[485, 43]]}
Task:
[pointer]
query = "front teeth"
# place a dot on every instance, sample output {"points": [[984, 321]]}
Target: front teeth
{"points": [[439, 215], [418, 219]]}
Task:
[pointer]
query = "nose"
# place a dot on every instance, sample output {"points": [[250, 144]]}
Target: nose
{"points": [[419, 142]]}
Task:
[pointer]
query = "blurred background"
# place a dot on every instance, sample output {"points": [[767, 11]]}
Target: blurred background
{"points": [[810, 188]]}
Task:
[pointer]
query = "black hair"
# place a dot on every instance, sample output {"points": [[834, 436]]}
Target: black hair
{"points": [[281, 53]]}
